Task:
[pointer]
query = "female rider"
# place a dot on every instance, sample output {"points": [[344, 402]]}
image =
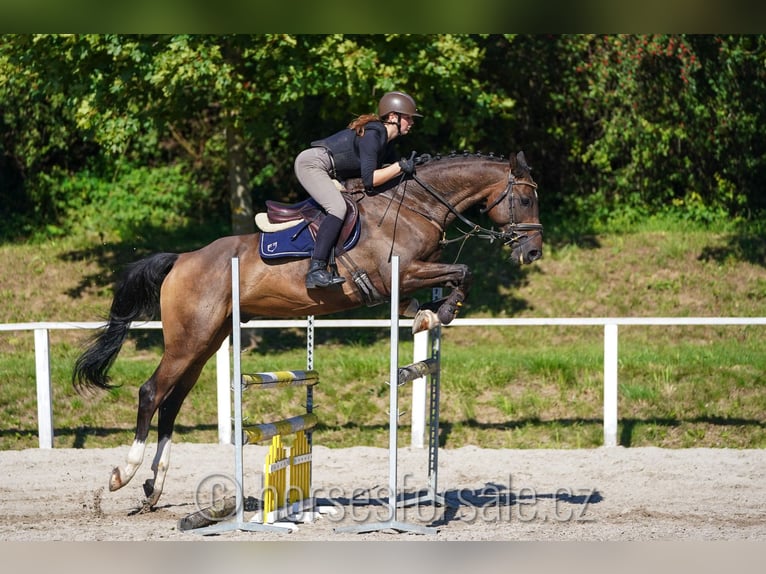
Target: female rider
{"points": [[363, 150]]}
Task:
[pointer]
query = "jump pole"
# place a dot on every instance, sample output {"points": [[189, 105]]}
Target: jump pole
{"points": [[393, 421], [280, 507]]}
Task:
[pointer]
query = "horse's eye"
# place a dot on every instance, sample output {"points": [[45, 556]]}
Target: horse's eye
{"points": [[525, 201]]}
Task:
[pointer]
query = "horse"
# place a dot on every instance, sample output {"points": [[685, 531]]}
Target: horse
{"points": [[192, 290]]}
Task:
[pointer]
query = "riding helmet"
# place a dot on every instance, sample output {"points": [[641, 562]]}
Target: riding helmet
{"points": [[397, 102]]}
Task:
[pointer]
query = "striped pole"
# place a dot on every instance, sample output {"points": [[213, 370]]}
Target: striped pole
{"points": [[280, 379], [265, 431]]}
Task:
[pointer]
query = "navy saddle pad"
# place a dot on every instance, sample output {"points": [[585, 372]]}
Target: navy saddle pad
{"points": [[296, 242]]}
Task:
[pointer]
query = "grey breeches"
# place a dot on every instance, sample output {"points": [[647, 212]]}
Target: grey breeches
{"points": [[313, 167]]}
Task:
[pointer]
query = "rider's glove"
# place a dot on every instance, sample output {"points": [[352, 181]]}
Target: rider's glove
{"points": [[407, 165]]}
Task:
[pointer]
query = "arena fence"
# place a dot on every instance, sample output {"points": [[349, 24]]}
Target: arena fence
{"points": [[610, 325]]}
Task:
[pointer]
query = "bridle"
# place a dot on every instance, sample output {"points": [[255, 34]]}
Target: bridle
{"points": [[515, 233]]}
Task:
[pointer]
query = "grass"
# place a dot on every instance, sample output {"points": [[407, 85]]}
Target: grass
{"points": [[523, 387]]}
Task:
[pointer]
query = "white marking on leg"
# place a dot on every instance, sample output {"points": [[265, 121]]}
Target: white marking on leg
{"points": [[160, 466], [425, 320], [121, 476]]}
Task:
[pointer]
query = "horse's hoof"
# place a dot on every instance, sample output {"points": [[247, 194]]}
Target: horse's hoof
{"points": [[115, 480], [152, 494], [411, 310], [448, 312], [424, 320]]}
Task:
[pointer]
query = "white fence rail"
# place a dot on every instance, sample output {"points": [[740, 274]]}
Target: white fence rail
{"points": [[611, 332]]}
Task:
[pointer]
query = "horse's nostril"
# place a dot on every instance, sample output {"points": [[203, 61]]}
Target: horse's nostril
{"points": [[534, 254]]}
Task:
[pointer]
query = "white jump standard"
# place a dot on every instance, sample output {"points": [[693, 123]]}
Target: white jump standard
{"points": [[397, 377], [285, 501]]}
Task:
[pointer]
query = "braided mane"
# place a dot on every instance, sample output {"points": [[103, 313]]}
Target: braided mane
{"points": [[521, 162], [427, 157]]}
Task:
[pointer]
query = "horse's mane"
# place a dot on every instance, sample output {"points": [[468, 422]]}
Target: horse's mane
{"points": [[426, 159]]}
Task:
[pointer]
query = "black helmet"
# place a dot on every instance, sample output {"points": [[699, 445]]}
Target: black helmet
{"points": [[397, 102]]}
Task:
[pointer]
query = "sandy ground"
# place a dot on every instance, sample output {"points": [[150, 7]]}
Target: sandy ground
{"points": [[617, 494]]}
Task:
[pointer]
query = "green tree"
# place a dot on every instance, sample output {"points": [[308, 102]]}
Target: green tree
{"points": [[37, 135], [635, 124], [244, 105]]}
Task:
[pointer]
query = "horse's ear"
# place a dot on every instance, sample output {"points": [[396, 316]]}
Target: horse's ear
{"points": [[519, 164]]}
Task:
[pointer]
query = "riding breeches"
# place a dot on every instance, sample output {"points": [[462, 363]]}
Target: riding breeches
{"points": [[313, 167]]}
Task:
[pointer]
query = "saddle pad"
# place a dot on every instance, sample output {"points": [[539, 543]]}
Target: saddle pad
{"points": [[297, 242]]}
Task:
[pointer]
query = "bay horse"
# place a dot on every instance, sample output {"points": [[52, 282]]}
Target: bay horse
{"points": [[192, 290]]}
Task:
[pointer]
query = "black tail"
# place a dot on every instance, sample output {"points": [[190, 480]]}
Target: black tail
{"points": [[137, 296]]}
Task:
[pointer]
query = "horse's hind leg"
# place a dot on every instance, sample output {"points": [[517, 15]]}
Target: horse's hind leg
{"points": [[169, 380], [165, 423], [167, 396], [147, 406]]}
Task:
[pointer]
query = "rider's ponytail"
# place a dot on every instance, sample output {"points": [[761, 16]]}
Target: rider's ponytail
{"points": [[358, 124]]}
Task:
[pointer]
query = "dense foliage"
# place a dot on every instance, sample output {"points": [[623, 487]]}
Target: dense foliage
{"points": [[129, 133]]}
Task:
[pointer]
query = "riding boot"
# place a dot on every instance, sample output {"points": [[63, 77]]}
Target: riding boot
{"points": [[319, 276], [327, 236]]}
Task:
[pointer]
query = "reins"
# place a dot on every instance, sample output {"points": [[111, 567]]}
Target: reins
{"points": [[516, 233]]}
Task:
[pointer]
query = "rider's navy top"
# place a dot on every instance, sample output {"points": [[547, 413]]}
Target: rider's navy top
{"points": [[359, 156]]}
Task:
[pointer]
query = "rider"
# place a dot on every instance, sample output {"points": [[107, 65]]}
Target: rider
{"points": [[363, 150]]}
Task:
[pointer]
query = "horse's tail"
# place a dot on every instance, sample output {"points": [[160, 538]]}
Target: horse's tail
{"points": [[136, 296]]}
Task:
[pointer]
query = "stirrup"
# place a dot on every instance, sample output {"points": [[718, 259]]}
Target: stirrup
{"points": [[316, 281], [335, 278]]}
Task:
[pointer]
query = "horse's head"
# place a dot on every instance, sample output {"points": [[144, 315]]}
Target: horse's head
{"points": [[515, 209]]}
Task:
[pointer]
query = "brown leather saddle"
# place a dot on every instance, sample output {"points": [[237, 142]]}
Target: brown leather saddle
{"points": [[312, 213]]}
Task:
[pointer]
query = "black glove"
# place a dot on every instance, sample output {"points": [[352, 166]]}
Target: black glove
{"points": [[408, 165]]}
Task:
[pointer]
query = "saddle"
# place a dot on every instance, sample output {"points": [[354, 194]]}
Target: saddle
{"points": [[290, 230], [311, 214]]}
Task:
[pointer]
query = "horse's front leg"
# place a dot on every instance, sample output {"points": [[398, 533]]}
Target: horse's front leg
{"points": [[448, 307], [441, 311]]}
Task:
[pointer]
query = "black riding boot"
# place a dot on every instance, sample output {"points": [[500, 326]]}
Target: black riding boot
{"points": [[327, 236], [319, 276]]}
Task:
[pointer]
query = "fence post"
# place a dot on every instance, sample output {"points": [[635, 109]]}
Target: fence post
{"points": [[421, 350], [418, 429], [223, 378], [43, 375], [610, 384]]}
